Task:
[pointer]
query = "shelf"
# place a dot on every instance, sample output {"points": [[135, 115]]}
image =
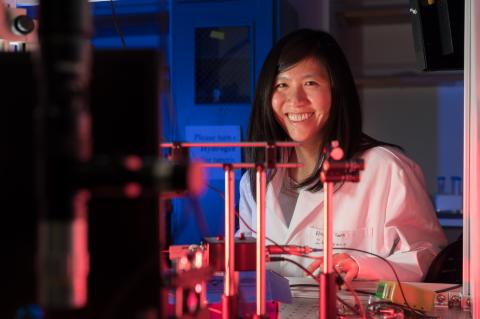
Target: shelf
{"points": [[372, 11], [403, 75], [409, 79], [384, 14], [384, 56]]}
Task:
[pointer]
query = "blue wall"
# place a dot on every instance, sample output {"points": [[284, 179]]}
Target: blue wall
{"points": [[144, 24], [214, 33], [168, 26]]}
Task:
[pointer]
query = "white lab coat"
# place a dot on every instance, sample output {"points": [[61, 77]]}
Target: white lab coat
{"points": [[387, 213]]}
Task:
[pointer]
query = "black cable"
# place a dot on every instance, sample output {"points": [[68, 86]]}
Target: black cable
{"points": [[359, 291], [394, 273], [303, 285], [364, 292], [361, 310], [222, 195], [410, 308], [380, 257], [199, 216], [346, 304], [447, 289], [408, 313], [115, 23], [216, 190], [308, 272]]}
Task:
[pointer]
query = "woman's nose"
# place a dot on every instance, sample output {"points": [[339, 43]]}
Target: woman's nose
{"points": [[297, 95]]}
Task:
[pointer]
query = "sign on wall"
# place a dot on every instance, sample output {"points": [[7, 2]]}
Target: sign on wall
{"points": [[215, 134]]}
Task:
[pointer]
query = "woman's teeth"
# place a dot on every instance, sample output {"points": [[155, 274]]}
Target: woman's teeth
{"points": [[298, 117]]}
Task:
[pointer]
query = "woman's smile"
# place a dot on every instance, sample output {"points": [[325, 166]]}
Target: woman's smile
{"points": [[299, 117]]}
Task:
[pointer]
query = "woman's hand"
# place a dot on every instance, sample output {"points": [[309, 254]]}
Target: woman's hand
{"points": [[343, 263]]}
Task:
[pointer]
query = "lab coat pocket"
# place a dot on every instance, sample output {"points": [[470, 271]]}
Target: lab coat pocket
{"points": [[360, 238]]}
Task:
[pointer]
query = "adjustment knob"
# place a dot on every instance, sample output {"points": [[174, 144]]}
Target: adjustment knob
{"points": [[23, 25]]}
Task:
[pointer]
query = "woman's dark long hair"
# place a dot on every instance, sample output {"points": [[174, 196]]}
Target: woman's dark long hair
{"points": [[345, 119]]}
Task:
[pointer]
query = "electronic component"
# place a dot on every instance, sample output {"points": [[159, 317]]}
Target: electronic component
{"points": [[244, 253], [189, 281], [417, 298]]}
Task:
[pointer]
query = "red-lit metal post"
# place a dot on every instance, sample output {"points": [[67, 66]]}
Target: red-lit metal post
{"points": [[328, 289], [260, 249], [333, 170], [229, 299], [327, 227]]}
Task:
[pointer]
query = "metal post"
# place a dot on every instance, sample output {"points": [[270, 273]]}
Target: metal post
{"points": [[471, 155], [231, 282], [467, 148], [328, 293], [260, 244], [229, 302], [327, 227]]}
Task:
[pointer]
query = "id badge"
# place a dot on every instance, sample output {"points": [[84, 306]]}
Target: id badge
{"points": [[358, 238]]}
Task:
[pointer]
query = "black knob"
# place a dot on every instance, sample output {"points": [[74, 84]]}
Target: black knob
{"points": [[23, 24]]}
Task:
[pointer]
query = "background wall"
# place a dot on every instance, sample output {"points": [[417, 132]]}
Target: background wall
{"points": [[422, 114]]}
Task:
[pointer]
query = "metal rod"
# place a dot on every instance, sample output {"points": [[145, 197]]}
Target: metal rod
{"points": [[470, 155], [229, 300], [260, 243], [231, 144], [327, 293], [246, 165], [229, 231], [327, 227]]}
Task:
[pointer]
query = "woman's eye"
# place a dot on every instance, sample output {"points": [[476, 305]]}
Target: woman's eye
{"points": [[280, 85], [310, 83]]}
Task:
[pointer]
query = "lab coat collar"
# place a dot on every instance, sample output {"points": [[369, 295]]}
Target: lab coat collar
{"points": [[277, 219], [307, 204]]}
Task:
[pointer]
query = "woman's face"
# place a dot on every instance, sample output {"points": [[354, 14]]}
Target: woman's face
{"points": [[301, 101]]}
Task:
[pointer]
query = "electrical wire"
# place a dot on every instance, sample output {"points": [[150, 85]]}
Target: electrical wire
{"points": [[281, 247], [355, 296], [408, 313], [321, 250], [358, 291], [346, 304], [448, 289], [116, 24], [308, 272], [363, 251], [394, 273], [364, 292], [199, 216]]}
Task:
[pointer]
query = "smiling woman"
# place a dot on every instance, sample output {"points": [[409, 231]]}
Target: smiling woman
{"points": [[301, 100], [306, 93]]}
